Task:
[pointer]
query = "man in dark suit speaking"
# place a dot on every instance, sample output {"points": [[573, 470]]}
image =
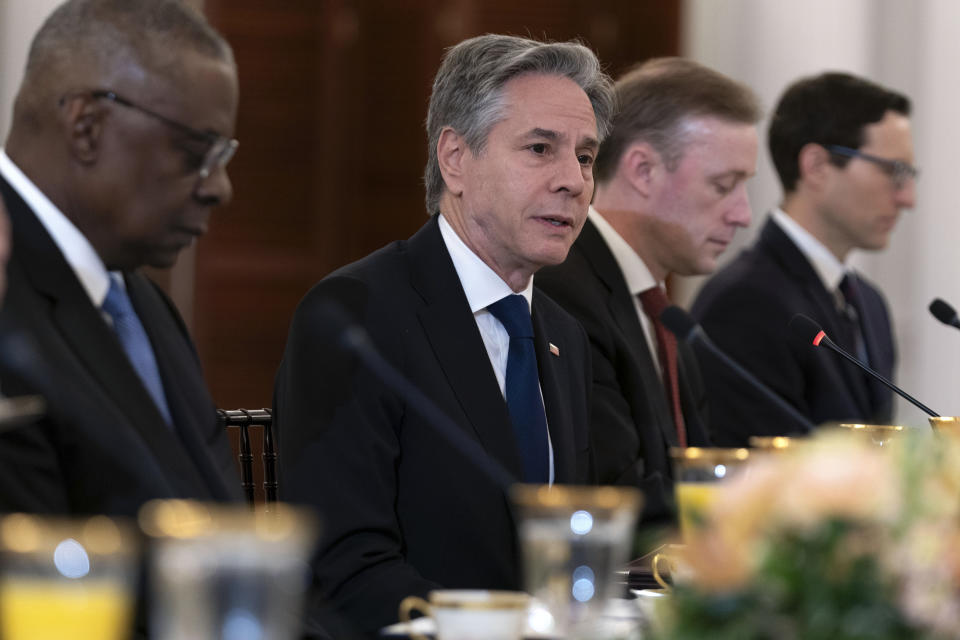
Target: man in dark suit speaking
{"points": [[513, 128], [843, 151], [670, 195], [120, 134]]}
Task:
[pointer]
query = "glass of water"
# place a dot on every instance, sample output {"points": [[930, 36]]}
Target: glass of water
{"points": [[574, 540], [227, 572]]}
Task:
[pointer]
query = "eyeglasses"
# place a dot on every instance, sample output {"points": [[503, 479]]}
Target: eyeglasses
{"points": [[898, 170], [218, 154]]}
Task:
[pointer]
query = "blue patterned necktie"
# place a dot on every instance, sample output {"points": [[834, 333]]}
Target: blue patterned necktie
{"points": [[524, 401], [134, 339]]}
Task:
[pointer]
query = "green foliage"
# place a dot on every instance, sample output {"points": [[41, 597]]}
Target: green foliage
{"points": [[815, 585]]}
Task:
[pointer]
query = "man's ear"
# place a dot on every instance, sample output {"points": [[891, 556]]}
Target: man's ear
{"points": [[452, 152], [641, 165], [83, 117], [813, 165]]}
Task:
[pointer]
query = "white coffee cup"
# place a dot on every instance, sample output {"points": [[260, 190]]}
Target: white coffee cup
{"points": [[471, 614]]}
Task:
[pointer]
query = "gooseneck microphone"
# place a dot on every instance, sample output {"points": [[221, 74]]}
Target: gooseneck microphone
{"points": [[354, 339], [682, 325], [945, 313], [806, 329]]}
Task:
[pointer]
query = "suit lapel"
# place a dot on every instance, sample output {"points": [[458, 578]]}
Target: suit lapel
{"points": [[621, 307], [193, 412], [783, 250], [880, 395], [453, 335], [89, 340], [690, 381], [554, 369]]}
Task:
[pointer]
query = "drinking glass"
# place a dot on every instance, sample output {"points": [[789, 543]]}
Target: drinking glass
{"points": [[66, 579], [227, 572], [880, 435], [574, 540], [698, 476]]}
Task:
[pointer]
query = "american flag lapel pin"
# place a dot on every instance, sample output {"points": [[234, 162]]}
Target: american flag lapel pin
{"points": [[554, 349]]}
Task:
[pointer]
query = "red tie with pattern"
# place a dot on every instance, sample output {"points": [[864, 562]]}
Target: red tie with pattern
{"points": [[654, 301]]}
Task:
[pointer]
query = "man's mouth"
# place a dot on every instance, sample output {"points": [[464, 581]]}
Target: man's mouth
{"points": [[556, 222]]}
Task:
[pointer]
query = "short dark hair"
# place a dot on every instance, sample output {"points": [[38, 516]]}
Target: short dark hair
{"points": [[468, 90], [657, 97], [829, 109], [98, 34]]}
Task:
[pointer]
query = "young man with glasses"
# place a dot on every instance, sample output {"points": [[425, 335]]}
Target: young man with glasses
{"points": [[843, 150], [121, 132]]}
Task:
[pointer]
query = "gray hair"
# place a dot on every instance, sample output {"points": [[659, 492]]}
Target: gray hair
{"points": [[84, 37], [658, 97], [468, 90]]}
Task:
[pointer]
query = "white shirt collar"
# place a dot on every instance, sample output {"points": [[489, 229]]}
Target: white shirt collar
{"points": [[76, 249], [635, 270], [481, 283], [828, 268]]}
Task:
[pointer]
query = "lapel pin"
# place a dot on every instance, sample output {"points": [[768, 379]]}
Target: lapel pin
{"points": [[554, 349]]}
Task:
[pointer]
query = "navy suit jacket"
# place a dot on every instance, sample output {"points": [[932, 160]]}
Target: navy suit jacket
{"points": [[746, 307], [103, 447], [403, 511], [631, 423]]}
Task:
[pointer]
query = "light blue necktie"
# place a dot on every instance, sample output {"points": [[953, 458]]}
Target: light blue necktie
{"points": [[524, 402], [134, 339]]}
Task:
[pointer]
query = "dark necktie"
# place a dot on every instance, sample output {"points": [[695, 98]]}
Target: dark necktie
{"points": [[854, 321], [654, 301], [134, 339], [524, 402], [851, 312]]}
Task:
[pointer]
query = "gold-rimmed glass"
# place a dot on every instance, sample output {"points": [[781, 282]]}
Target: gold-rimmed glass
{"points": [[227, 571], [574, 540], [775, 444], [66, 579], [946, 425], [698, 474], [880, 435]]}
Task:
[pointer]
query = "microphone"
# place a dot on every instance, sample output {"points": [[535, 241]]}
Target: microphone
{"points": [[354, 339], [945, 313], [682, 325], [805, 328]]}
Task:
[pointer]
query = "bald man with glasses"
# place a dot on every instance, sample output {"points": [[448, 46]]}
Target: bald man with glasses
{"points": [[117, 155], [843, 149]]}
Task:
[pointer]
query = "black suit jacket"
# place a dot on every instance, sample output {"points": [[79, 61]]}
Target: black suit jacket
{"points": [[632, 426], [402, 511], [746, 307], [104, 447]]}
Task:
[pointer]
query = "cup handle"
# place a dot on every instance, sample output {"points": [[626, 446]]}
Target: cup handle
{"points": [[410, 604], [655, 567]]}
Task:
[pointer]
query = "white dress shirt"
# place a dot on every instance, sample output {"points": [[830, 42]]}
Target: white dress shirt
{"points": [[76, 249], [483, 287], [828, 268]]}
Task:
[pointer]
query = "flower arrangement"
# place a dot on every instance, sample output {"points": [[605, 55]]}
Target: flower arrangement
{"points": [[838, 539]]}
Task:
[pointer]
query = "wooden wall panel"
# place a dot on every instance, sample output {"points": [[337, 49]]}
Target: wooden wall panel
{"points": [[332, 146]]}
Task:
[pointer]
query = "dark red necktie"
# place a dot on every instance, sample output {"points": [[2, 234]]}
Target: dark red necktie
{"points": [[654, 301]]}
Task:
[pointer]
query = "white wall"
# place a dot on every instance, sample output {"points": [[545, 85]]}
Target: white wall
{"points": [[19, 20], [913, 47]]}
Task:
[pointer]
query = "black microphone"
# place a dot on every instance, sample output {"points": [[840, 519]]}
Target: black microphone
{"points": [[810, 331], [945, 313], [682, 325], [355, 339]]}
